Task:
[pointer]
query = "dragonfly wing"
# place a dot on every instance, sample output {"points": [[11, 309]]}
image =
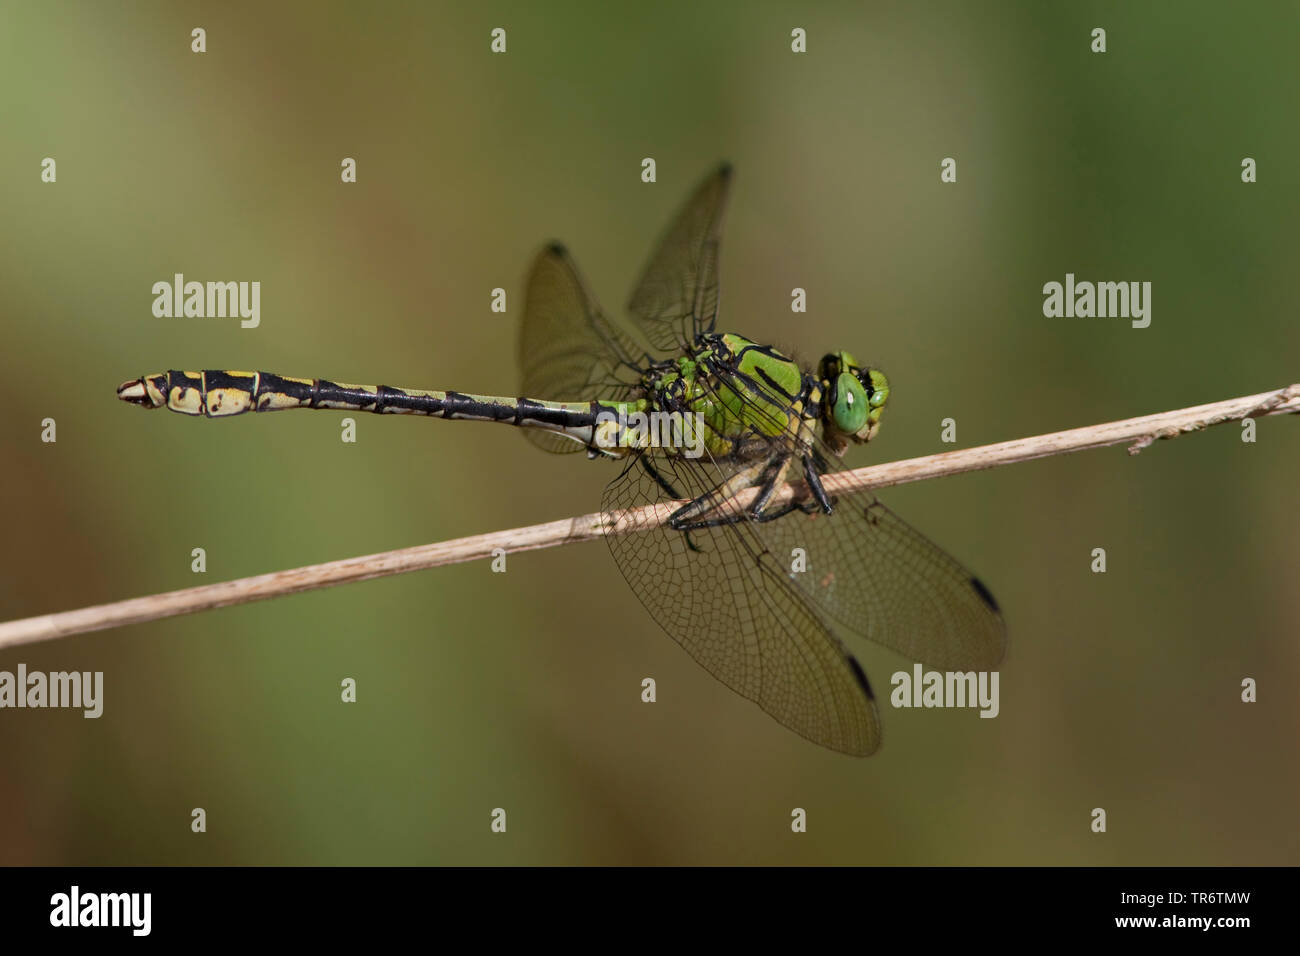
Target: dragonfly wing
{"points": [[568, 350], [677, 297], [872, 572], [731, 607]]}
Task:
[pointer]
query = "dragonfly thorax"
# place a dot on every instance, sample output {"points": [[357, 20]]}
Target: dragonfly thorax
{"points": [[743, 391]]}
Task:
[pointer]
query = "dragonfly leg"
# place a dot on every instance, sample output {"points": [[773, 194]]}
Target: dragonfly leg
{"points": [[815, 484], [801, 503], [660, 480], [768, 475], [694, 513], [771, 477], [672, 492], [807, 507], [677, 521]]}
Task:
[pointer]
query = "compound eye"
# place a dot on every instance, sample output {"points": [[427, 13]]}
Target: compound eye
{"points": [[850, 404], [879, 387]]}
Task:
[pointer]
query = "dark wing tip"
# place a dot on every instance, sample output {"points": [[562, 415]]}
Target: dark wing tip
{"points": [[556, 248], [861, 675], [725, 170], [985, 593]]}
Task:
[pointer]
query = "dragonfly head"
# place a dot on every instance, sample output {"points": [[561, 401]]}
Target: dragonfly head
{"points": [[853, 399]]}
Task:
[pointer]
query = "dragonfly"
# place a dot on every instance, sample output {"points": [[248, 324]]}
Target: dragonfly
{"points": [[757, 567]]}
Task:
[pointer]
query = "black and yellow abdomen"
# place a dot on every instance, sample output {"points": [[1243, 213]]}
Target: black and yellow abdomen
{"points": [[214, 393]]}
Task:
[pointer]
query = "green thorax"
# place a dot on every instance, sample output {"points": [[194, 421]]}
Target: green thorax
{"points": [[738, 387]]}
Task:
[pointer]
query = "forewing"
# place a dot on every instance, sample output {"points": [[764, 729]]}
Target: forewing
{"points": [[879, 577], [872, 572], [677, 297], [568, 350]]}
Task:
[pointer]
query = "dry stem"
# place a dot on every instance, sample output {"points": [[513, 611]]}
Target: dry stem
{"points": [[1141, 432]]}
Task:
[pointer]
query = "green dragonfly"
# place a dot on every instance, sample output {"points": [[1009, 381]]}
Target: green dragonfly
{"points": [[757, 560]]}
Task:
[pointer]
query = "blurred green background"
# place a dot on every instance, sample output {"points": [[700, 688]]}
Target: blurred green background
{"points": [[480, 690]]}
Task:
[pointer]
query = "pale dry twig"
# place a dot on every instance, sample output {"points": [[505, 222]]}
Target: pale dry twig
{"points": [[1140, 432]]}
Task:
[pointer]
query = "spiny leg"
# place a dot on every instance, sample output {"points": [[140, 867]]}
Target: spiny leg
{"points": [[814, 480], [807, 507], [690, 516], [759, 511], [662, 482], [770, 475]]}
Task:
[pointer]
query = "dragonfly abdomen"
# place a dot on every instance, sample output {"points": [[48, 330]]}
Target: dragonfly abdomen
{"points": [[216, 393]]}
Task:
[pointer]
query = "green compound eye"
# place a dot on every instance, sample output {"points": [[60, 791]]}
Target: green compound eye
{"points": [[879, 388], [850, 410]]}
